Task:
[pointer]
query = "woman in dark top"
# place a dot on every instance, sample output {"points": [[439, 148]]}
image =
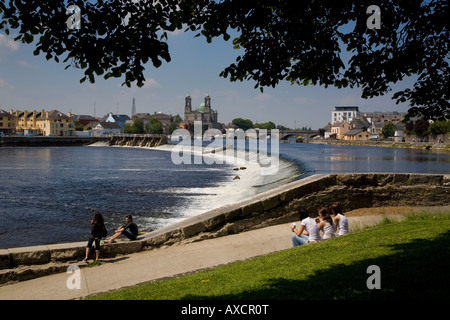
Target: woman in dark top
{"points": [[97, 227]]}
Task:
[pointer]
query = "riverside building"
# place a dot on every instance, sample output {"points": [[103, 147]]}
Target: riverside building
{"points": [[8, 123], [43, 123], [344, 113], [203, 113]]}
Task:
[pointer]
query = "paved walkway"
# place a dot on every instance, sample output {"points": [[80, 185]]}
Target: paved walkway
{"points": [[130, 270], [146, 266]]}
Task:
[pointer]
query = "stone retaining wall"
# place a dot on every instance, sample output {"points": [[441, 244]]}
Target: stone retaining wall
{"points": [[40, 141], [279, 205]]}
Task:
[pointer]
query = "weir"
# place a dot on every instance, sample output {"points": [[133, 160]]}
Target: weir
{"points": [[277, 206], [138, 140]]}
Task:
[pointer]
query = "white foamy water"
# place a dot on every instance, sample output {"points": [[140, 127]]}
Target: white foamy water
{"points": [[244, 182]]}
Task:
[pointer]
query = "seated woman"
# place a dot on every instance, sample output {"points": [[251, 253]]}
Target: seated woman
{"points": [[326, 225], [340, 220], [308, 231]]}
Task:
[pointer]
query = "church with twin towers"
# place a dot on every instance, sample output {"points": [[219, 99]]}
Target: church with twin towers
{"points": [[203, 113]]}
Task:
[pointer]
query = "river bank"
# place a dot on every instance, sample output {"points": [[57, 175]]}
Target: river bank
{"points": [[39, 141], [276, 207], [441, 147], [174, 261]]}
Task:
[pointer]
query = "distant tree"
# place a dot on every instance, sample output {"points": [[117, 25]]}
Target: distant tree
{"points": [[147, 127], [388, 130], [173, 126], [78, 126], [265, 125], [281, 127], [154, 126], [138, 126], [244, 124], [128, 128], [420, 127], [177, 119], [409, 127], [439, 127]]}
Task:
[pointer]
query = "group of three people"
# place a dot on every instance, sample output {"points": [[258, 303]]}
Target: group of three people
{"points": [[309, 229], [129, 229]]}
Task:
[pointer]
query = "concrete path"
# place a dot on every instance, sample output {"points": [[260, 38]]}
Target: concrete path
{"points": [[130, 270], [146, 266]]}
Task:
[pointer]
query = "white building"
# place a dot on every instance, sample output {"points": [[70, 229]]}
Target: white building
{"points": [[344, 113], [104, 128]]}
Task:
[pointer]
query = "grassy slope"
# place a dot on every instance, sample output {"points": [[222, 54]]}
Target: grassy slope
{"points": [[413, 256]]}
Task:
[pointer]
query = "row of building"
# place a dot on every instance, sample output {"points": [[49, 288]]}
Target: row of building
{"points": [[47, 123], [56, 123], [348, 123]]}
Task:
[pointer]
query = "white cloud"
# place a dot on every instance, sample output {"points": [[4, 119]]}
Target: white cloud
{"points": [[176, 32], [263, 97], [24, 64], [7, 44], [151, 83], [148, 84]]}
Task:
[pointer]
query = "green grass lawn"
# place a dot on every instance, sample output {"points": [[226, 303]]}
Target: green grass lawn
{"points": [[413, 257]]}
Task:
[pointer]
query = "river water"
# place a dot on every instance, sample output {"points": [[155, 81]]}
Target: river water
{"points": [[49, 194]]}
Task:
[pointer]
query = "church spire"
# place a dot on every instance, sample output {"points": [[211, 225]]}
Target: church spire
{"points": [[188, 104], [207, 103]]}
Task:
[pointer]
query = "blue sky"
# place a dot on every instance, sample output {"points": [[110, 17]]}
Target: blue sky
{"points": [[28, 82]]}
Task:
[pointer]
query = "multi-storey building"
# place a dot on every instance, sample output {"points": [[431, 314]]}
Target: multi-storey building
{"points": [[26, 122], [338, 129], [8, 123], [46, 123], [344, 113], [56, 123]]}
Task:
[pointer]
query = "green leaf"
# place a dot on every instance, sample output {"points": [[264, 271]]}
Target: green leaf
{"points": [[28, 38], [91, 78], [99, 70], [157, 63]]}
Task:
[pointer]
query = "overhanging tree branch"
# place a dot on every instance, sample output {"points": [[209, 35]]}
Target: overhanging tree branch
{"points": [[281, 40]]}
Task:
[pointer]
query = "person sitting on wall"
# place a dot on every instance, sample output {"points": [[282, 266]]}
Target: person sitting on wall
{"points": [[130, 230]]}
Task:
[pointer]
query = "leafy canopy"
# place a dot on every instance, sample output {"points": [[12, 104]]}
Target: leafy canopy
{"points": [[318, 42]]}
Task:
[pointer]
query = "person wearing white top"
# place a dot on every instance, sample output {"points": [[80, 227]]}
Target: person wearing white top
{"points": [[340, 220], [325, 224], [308, 231]]}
